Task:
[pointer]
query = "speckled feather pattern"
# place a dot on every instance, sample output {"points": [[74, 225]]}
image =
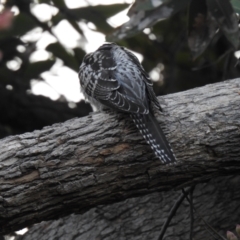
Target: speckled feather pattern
{"points": [[112, 76]]}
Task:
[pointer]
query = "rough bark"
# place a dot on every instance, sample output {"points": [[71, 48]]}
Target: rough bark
{"points": [[101, 159], [141, 218]]}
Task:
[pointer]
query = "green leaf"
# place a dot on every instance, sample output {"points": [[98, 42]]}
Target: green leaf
{"points": [[236, 5], [142, 19], [106, 10], [44, 1], [21, 25], [146, 5], [79, 54], [8, 47], [57, 18], [59, 51], [6, 75], [59, 3], [226, 18], [96, 14], [201, 27], [75, 26], [60, 16], [33, 70]]}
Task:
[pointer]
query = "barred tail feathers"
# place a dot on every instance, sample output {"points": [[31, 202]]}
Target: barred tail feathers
{"points": [[154, 136]]}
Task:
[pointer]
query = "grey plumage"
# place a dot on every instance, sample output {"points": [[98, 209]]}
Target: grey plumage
{"points": [[112, 76]]}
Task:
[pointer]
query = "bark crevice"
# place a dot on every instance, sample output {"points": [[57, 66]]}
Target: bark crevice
{"points": [[73, 166]]}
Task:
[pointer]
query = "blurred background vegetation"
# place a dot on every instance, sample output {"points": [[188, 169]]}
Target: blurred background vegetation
{"points": [[182, 44]]}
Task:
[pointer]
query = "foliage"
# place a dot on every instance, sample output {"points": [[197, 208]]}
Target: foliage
{"points": [[185, 43], [25, 21], [194, 39], [204, 18], [15, 49]]}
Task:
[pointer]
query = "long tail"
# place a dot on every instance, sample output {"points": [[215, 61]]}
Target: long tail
{"points": [[154, 136]]}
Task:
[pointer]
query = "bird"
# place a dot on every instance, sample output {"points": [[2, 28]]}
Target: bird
{"points": [[113, 77]]}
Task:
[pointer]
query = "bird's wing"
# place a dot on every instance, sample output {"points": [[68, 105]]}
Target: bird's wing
{"points": [[145, 78], [114, 85]]}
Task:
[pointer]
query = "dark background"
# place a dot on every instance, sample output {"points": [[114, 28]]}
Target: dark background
{"points": [[166, 44]]}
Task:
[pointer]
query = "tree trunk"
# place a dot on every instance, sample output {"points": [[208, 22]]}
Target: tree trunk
{"points": [[142, 218], [101, 159]]}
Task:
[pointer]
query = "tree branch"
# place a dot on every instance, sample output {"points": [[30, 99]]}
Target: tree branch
{"points": [[100, 159], [142, 217]]}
